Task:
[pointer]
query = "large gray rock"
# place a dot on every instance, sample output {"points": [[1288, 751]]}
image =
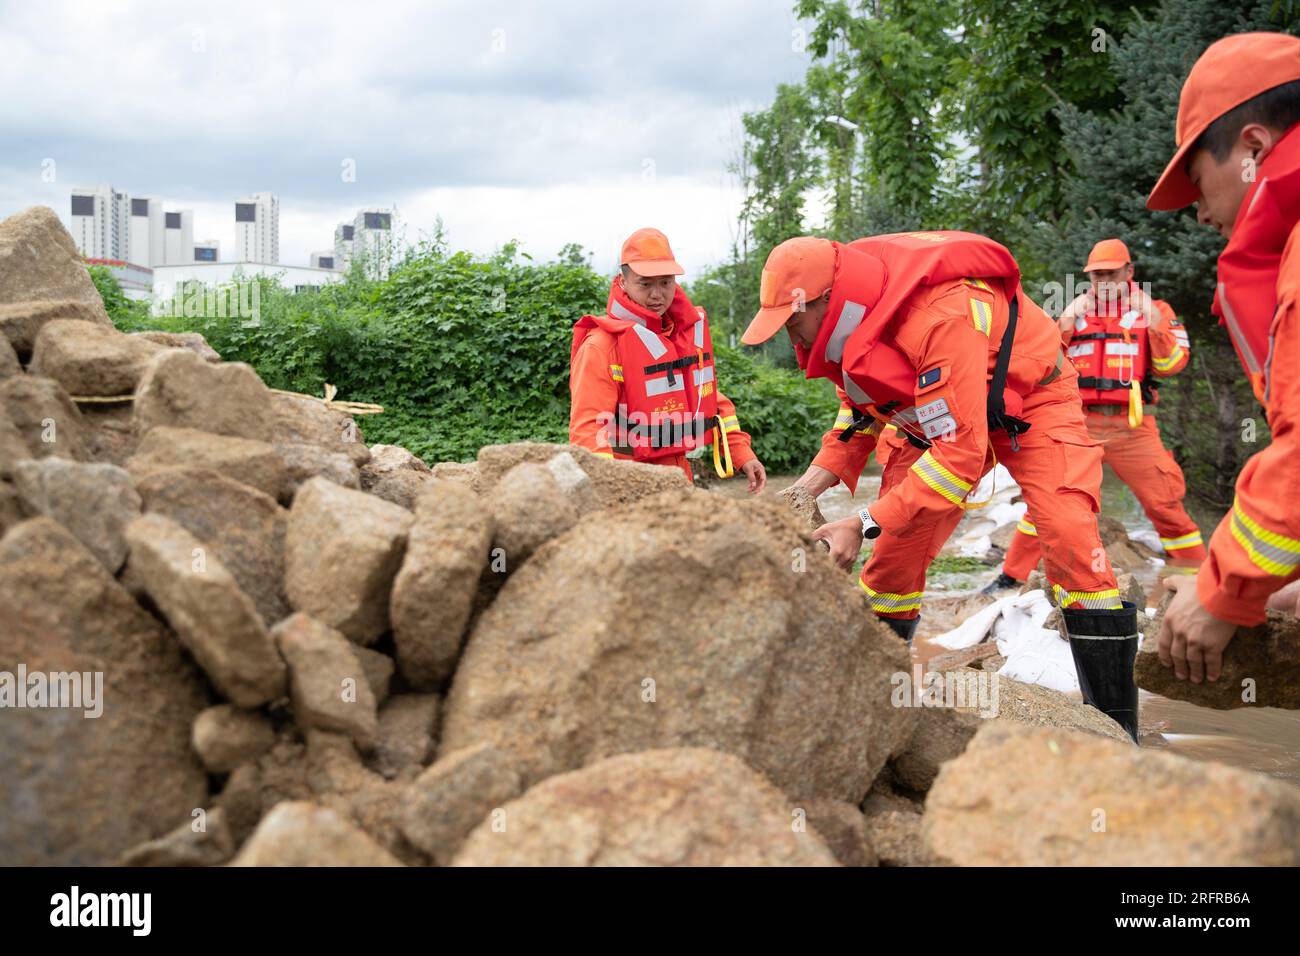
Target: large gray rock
{"points": [[87, 358], [21, 322], [408, 728], [225, 736], [942, 733], [181, 390], [453, 796], [243, 527], [216, 621], [300, 833], [46, 417], [327, 684], [433, 594], [684, 621], [110, 433], [677, 807], [302, 420], [182, 340], [614, 482], [94, 502], [1036, 796], [40, 260], [529, 508], [342, 552], [81, 791], [253, 463], [394, 474], [302, 462]]}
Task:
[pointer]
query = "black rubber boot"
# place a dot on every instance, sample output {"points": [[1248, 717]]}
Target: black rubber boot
{"points": [[1003, 582], [903, 628], [1104, 645]]}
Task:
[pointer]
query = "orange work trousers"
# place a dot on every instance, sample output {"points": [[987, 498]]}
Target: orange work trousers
{"points": [[1058, 468], [1141, 461]]}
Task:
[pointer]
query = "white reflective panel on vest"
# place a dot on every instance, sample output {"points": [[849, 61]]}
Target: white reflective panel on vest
{"points": [[1234, 329], [620, 311], [1129, 319], [654, 345], [856, 395], [1080, 324], [1121, 348], [660, 386], [703, 375], [1087, 348], [699, 334], [850, 318]]}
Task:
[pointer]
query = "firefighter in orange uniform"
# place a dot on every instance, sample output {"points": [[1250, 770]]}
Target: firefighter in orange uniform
{"points": [[1121, 341], [642, 381], [931, 332], [1238, 159]]}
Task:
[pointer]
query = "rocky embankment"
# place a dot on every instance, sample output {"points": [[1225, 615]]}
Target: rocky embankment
{"points": [[315, 652]]}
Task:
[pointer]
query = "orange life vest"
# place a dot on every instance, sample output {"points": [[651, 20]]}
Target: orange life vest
{"points": [[1110, 350], [1246, 297], [668, 402], [873, 277]]}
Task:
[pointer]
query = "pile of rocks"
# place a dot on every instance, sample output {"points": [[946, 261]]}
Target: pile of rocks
{"points": [[314, 652]]}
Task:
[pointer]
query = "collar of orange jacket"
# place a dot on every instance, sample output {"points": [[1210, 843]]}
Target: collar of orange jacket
{"points": [[1246, 297]]}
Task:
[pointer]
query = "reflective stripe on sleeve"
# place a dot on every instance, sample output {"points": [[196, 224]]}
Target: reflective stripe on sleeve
{"points": [[1269, 551], [929, 470], [1027, 527]]}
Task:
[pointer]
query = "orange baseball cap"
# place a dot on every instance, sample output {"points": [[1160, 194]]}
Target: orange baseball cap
{"points": [[1106, 255], [799, 268], [646, 252], [1229, 72]]}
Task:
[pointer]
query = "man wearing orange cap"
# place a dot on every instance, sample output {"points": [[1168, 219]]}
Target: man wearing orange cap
{"points": [[1121, 341], [931, 332], [1238, 159], [641, 376]]}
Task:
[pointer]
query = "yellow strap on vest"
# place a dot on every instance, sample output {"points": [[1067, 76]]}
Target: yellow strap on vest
{"points": [[1134, 405], [719, 456]]}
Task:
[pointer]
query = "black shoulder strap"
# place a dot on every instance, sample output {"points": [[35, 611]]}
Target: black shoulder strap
{"points": [[997, 403]]}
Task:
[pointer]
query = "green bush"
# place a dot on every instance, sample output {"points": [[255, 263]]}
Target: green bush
{"points": [[464, 352]]}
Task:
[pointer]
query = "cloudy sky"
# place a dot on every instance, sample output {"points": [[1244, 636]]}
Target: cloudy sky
{"points": [[549, 123]]}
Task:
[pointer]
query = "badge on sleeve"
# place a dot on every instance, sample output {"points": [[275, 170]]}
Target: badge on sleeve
{"points": [[931, 379]]}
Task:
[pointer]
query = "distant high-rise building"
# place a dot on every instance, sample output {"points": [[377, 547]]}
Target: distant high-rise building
{"points": [[343, 234], [257, 229], [178, 241], [324, 260], [207, 251], [99, 222], [372, 237], [146, 246]]}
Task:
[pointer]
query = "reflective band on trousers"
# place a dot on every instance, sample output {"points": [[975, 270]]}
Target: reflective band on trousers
{"points": [[1272, 552], [1096, 600], [885, 603], [1192, 540], [940, 479]]}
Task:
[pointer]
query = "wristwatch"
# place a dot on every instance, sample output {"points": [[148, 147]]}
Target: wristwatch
{"points": [[869, 527]]}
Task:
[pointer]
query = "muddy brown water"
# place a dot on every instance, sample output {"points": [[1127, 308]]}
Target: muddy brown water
{"points": [[1263, 739]]}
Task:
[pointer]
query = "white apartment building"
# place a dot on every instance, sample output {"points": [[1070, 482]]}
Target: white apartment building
{"points": [[324, 260], [146, 246], [209, 250], [178, 241], [99, 222], [343, 239], [257, 228], [372, 237]]}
